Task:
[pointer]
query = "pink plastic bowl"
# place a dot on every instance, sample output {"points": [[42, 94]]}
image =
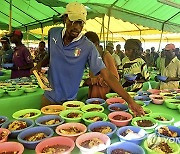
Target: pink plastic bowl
{"points": [[115, 100], [120, 122], [60, 140], [11, 146], [91, 135], [155, 100], [154, 91], [79, 126], [8, 132]]}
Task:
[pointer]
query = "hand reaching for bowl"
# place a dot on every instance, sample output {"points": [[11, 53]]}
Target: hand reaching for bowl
{"points": [[136, 109]]}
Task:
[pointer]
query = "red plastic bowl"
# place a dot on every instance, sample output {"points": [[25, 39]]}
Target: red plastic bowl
{"points": [[154, 91], [5, 138], [58, 140], [155, 100], [11, 147], [115, 100], [120, 122]]}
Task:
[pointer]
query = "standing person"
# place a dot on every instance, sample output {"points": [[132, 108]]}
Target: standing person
{"points": [[69, 52], [21, 57], [154, 56], [41, 52], [170, 67], [98, 88], [134, 64], [6, 53], [110, 48], [119, 52]]}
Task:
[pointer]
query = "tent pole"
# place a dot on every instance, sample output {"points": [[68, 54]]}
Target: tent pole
{"points": [[10, 17], [42, 30], [103, 32], [27, 37]]}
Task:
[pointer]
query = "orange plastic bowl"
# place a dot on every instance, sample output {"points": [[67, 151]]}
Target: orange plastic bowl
{"points": [[120, 122], [11, 147], [155, 99], [115, 100], [4, 139], [52, 109]]}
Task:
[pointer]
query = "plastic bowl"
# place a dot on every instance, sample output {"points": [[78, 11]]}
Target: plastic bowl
{"points": [[167, 95], [154, 91], [7, 132], [141, 98], [32, 144], [147, 129], [64, 114], [2, 91], [15, 133], [156, 140], [128, 146], [7, 65], [171, 103], [18, 114], [143, 93], [96, 100], [17, 92], [172, 128], [79, 126], [115, 100], [103, 123], [3, 119], [85, 108], [39, 121], [52, 109], [169, 118], [30, 88], [155, 99], [134, 139], [161, 78], [132, 94], [112, 95], [78, 103], [146, 110], [89, 136], [93, 114], [130, 77], [11, 147], [120, 122], [141, 103], [58, 140], [112, 107]]}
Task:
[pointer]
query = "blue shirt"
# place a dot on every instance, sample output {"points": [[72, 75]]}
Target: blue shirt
{"points": [[67, 64]]}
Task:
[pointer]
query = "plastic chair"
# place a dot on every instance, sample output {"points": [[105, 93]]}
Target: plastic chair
{"points": [[150, 85]]}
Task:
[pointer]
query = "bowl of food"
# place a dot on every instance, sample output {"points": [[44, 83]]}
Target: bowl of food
{"points": [[146, 111], [130, 77], [162, 78], [103, 127], [117, 107], [143, 93], [73, 105], [161, 145], [162, 119], [146, 123], [7, 65], [124, 147], [3, 119], [141, 103], [172, 133], [4, 134], [17, 126], [131, 134], [27, 113], [51, 121], [32, 136], [71, 115], [115, 100], [172, 103], [98, 101], [120, 118], [11, 148], [132, 94], [30, 88], [2, 91], [58, 144], [92, 142], [92, 108], [143, 98], [52, 109], [154, 91], [157, 99], [112, 95], [71, 130], [14, 91], [91, 117]]}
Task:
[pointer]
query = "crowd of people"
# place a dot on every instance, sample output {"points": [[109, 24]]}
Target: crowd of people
{"points": [[69, 52]]}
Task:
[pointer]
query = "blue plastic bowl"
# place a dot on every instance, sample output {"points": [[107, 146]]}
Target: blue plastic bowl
{"points": [[39, 120], [32, 145], [173, 128], [103, 123], [161, 78], [131, 147], [124, 107], [5, 119], [130, 77], [90, 100], [135, 130], [7, 65], [15, 133], [142, 93], [143, 98]]}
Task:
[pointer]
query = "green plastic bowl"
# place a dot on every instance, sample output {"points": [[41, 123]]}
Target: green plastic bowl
{"points": [[90, 106], [147, 111], [147, 129], [155, 140], [15, 92], [30, 88], [112, 95], [19, 113], [79, 103], [132, 94], [93, 114], [170, 103], [169, 118], [141, 103], [2, 92], [179, 107], [64, 114]]}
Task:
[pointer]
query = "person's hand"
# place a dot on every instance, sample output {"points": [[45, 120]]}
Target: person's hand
{"points": [[87, 82], [136, 109]]}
